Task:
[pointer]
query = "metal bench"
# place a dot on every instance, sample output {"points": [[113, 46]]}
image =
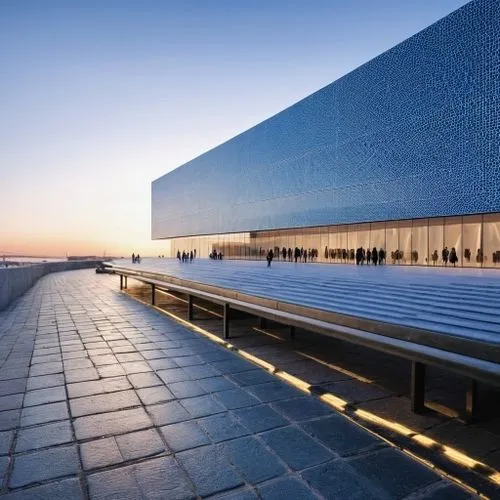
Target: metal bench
{"points": [[471, 367]]}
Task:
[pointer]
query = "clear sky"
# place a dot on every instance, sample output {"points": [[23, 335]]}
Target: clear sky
{"points": [[100, 97]]}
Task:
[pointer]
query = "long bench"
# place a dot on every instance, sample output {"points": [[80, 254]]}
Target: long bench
{"points": [[472, 367]]}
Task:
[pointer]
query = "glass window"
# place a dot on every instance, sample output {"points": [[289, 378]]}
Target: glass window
{"points": [[343, 249], [392, 242], [377, 235], [333, 243], [436, 241], [491, 241], [324, 249], [419, 242], [453, 240], [405, 255]]}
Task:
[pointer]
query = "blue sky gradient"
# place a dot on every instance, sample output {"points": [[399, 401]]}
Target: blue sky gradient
{"points": [[99, 98]]}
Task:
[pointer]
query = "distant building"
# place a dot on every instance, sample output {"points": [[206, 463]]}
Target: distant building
{"points": [[401, 154]]}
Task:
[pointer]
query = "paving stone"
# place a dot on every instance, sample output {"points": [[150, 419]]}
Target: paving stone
{"points": [[117, 422], [222, 427], [209, 470], [252, 460], [110, 371], [188, 360], [303, 408], [74, 354], [159, 478], [9, 419], [152, 354], [173, 375], [187, 389], [45, 381], [168, 413], [200, 372], [252, 377], [260, 418], [162, 364], [43, 465], [5, 442], [445, 491], [184, 436], [340, 435], [44, 396], [236, 398], [108, 359], [273, 391], [245, 494], [77, 363], [136, 367], [18, 385], [296, 448], [232, 366], [45, 413], [46, 369], [61, 490], [127, 357], [114, 484], [287, 487], [140, 444], [202, 406], [10, 374], [94, 387], [81, 375], [216, 384], [39, 357], [4, 465], [142, 380], [43, 436], [393, 472], [154, 395], [100, 453], [101, 403], [11, 402]]}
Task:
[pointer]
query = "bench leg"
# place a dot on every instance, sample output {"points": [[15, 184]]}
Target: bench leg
{"points": [[153, 295], [190, 308], [121, 281], [225, 323], [471, 401], [417, 387], [292, 332], [262, 323], [125, 282]]}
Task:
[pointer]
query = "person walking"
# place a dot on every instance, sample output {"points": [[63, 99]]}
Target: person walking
{"points": [[444, 255], [368, 256], [269, 258], [138, 259], [374, 256], [453, 257], [191, 256], [133, 258], [179, 255]]}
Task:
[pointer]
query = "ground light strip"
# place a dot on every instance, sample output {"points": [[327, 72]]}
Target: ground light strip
{"points": [[355, 415]]}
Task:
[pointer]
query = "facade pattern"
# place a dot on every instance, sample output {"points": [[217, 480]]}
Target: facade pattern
{"points": [[411, 134]]}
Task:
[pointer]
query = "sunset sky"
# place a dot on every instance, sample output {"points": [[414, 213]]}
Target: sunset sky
{"points": [[100, 97]]}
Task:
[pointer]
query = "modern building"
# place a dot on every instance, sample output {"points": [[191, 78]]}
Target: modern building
{"points": [[402, 153]]}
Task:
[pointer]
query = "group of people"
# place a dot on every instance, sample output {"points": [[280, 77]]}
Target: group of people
{"points": [[186, 256], [215, 256], [366, 256], [448, 255], [136, 259]]}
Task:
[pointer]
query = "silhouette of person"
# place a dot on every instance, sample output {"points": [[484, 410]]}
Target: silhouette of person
{"points": [[368, 256], [133, 258], [374, 256], [269, 258], [453, 257], [191, 256], [179, 254]]}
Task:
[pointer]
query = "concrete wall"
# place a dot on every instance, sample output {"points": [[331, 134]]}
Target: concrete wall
{"points": [[411, 134], [14, 281]]}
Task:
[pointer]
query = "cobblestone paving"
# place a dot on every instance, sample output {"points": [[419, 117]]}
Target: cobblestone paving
{"points": [[103, 398]]}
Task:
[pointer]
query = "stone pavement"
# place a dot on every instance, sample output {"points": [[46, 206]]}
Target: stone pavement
{"points": [[104, 398]]}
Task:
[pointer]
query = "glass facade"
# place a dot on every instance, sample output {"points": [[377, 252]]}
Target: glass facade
{"points": [[420, 242]]}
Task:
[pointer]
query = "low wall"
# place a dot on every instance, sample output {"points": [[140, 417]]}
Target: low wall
{"points": [[14, 281]]}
